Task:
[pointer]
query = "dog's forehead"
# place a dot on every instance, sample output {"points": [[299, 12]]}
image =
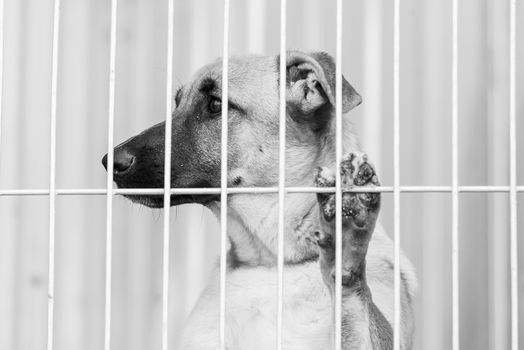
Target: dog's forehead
{"points": [[247, 73]]}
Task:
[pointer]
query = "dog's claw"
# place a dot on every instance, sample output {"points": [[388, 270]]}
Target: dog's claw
{"points": [[324, 177]]}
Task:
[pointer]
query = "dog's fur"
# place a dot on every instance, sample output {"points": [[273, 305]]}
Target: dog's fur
{"points": [[253, 219]]}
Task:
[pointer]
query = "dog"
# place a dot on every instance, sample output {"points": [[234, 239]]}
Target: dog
{"points": [[253, 125]]}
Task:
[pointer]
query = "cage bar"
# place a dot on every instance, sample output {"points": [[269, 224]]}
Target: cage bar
{"points": [[338, 192], [513, 176], [223, 177], [52, 177], [454, 181], [258, 190], [109, 185], [167, 175], [396, 176], [1, 67], [282, 173]]}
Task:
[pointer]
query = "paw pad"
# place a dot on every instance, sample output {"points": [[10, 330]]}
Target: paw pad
{"points": [[355, 171]]}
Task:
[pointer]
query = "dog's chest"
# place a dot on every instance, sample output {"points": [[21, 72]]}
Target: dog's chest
{"points": [[252, 296], [251, 304]]}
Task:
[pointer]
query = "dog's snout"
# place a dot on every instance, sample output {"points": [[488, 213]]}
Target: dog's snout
{"points": [[122, 161]]}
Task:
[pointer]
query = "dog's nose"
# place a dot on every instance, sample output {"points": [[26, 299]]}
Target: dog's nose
{"points": [[122, 161]]}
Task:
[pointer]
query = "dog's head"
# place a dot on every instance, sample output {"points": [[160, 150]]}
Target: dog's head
{"points": [[253, 121]]}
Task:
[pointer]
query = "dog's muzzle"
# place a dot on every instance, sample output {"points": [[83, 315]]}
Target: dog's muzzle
{"points": [[133, 169]]}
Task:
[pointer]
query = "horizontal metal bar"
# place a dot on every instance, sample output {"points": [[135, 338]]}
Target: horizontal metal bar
{"points": [[255, 190]]}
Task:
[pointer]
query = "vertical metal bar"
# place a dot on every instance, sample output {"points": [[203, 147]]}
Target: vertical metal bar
{"points": [[167, 174], [1, 67], [109, 184], [454, 179], [513, 176], [52, 176], [223, 177], [338, 192], [396, 164], [282, 171]]}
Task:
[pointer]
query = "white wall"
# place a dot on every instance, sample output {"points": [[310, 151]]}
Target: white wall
{"points": [[82, 140]]}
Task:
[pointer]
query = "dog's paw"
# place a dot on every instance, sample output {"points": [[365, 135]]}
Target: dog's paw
{"points": [[359, 215], [355, 171]]}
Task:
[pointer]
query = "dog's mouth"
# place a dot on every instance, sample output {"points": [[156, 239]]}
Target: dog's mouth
{"points": [[157, 201]]}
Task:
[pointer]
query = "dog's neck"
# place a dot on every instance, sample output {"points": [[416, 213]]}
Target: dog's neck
{"points": [[253, 228], [253, 218]]}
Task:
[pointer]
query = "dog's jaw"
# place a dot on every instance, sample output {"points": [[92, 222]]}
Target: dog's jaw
{"points": [[157, 201]]}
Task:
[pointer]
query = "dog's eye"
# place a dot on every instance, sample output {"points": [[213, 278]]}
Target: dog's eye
{"points": [[215, 106]]}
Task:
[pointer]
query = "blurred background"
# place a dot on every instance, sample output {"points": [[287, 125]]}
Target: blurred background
{"points": [[140, 101]]}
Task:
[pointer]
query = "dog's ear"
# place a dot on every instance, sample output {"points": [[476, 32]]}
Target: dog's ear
{"points": [[311, 85]]}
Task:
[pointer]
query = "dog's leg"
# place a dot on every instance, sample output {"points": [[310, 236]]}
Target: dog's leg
{"points": [[363, 325]]}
